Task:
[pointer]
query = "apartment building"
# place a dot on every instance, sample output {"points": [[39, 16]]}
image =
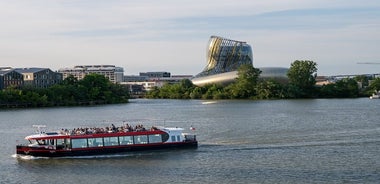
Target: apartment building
{"points": [[39, 77], [113, 73], [10, 77]]}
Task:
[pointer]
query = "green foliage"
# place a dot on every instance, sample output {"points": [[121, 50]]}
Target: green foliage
{"points": [[269, 89], [302, 74], [245, 84], [213, 91], [345, 88], [301, 84], [362, 79], [93, 89], [181, 90], [196, 93], [374, 85]]}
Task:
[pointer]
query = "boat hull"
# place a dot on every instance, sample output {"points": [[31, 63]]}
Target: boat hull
{"points": [[49, 152]]}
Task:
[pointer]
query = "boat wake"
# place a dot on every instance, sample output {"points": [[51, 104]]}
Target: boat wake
{"points": [[106, 156], [208, 102], [27, 157], [236, 145]]}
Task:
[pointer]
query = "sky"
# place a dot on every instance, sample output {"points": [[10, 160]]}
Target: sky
{"points": [[172, 35]]}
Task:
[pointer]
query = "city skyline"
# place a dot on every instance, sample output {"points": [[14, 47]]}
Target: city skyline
{"points": [[172, 35]]}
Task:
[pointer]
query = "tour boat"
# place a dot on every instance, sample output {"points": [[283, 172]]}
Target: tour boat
{"points": [[99, 141]]}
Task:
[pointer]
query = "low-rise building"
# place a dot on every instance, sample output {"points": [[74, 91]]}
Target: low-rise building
{"points": [[148, 80], [135, 78], [39, 77], [155, 74], [10, 77], [113, 73]]}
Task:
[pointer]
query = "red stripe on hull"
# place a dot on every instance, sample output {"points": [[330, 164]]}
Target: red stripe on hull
{"points": [[45, 152]]}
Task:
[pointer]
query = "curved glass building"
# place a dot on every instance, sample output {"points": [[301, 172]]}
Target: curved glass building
{"points": [[223, 56], [277, 73]]}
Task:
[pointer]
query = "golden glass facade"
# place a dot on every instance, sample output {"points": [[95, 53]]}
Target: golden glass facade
{"points": [[225, 55]]}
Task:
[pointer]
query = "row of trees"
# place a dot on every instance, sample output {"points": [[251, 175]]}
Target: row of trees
{"points": [[96, 89], [249, 85], [92, 89]]}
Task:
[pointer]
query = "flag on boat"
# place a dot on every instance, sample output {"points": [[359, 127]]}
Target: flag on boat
{"points": [[192, 128]]}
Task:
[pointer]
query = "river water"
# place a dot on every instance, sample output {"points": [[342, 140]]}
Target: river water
{"points": [[274, 141]]}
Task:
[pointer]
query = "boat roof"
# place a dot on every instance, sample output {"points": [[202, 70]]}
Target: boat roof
{"points": [[63, 135], [173, 129], [50, 135], [94, 135]]}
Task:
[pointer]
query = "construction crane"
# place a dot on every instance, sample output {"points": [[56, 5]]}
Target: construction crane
{"points": [[369, 63]]}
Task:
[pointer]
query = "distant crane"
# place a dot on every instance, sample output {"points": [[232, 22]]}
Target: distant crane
{"points": [[369, 63]]}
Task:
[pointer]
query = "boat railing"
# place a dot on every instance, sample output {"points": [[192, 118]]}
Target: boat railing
{"points": [[39, 128]]}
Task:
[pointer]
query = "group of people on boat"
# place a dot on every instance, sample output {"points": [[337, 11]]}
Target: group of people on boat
{"points": [[108, 129]]}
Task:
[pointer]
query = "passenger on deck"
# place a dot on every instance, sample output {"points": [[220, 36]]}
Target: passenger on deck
{"points": [[110, 129], [113, 128]]}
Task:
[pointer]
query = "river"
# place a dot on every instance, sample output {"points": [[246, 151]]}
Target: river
{"points": [[240, 141]]}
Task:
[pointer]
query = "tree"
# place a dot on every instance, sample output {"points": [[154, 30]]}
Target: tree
{"points": [[374, 86], [153, 93], [363, 79], [70, 80], [186, 84], [214, 91], [196, 93], [93, 89], [269, 89], [302, 74], [95, 85], [345, 88], [245, 84]]}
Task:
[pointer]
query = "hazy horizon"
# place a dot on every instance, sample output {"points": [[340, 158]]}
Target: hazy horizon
{"points": [[172, 36]]}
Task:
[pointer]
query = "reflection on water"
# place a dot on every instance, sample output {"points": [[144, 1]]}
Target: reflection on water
{"points": [[280, 141]]}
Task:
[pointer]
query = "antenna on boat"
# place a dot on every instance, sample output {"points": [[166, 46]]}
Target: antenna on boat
{"points": [[38, 128]]}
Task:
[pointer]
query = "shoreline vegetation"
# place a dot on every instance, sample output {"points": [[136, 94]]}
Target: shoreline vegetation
{"points": [[93, 89], [96, 89], [301, 84]]}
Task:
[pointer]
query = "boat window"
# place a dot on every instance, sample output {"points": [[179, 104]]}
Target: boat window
{"points": [[173, 138], [68, 143], [178, 138], [95, 142], [165, 137], [33, 141], [124, 140], [111, 141], [60, 142], [41, 142], [141, 139], [79, 143], [156, 138], [51, 141]]}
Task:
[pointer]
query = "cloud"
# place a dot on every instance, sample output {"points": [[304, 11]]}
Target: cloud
{"points": [[170, 34]]}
